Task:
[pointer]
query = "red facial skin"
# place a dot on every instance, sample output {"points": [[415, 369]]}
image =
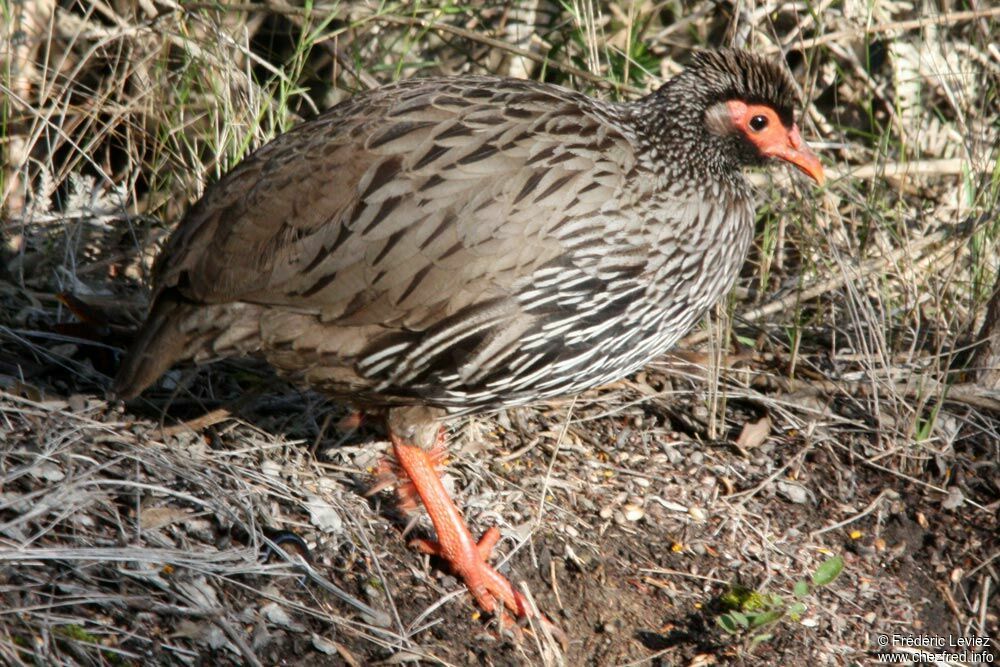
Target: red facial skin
{"points": [[761, 125]]}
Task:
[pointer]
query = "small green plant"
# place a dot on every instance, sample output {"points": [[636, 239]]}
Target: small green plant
{"points": [[749, 611], [77, 633]]}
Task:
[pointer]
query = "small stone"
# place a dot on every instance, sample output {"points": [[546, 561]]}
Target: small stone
{"points": [[953, 500], [261, 637], [323, 515], [275, 614], [170, 380], [47, 471], [323, 646], [793, 492], [611, 627], [77, 402], [216, 639], [633, 512], [674, 455]]}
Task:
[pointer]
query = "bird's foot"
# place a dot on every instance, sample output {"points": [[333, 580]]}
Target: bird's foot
{"points": [[492, 591]]}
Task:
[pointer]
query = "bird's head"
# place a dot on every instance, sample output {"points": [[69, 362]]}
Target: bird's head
{"points": [[736, 108], [763, 135]]}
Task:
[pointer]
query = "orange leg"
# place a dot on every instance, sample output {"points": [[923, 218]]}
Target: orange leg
{"points": [[466, 557]]}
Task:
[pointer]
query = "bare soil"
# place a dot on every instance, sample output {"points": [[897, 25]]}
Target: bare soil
{"points": [[149, 544]]}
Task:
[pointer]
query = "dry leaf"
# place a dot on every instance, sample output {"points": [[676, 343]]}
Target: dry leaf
{"points": [[754, 434], [158, 517]]}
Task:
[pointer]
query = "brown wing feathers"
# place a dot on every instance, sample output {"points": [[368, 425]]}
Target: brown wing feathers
{"points": [[403, 220]]}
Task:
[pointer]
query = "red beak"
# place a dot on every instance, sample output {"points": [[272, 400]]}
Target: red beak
{"points": [[797, 153]]}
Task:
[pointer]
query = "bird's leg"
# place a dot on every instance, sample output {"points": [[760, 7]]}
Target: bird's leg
{"points": [[465, 556], [389, 473]]}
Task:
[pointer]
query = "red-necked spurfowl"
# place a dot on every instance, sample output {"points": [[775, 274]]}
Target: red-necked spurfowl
{"points": [[439, 247]]}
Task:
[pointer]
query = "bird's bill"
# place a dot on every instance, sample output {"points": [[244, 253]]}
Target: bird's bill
{"points": [[797, 153]]}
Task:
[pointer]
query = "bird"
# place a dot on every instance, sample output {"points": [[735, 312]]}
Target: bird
{"points": [[441, 247]]}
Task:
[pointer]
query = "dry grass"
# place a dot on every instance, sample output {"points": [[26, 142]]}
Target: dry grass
{"points": [[148, 533]]}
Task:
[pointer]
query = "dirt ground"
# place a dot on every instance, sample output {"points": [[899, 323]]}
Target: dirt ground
{"points": [[148, 543]]}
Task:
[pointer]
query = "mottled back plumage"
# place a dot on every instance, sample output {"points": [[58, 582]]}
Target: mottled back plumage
{"points": [[467, 243]]}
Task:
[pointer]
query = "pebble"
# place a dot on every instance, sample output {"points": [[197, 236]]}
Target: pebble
{"points": [[611, 627], [77, 402], [793, 492], [954, 499], [633, 512]]}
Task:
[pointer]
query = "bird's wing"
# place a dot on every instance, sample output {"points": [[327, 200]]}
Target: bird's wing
{"points": [[406, 205]]}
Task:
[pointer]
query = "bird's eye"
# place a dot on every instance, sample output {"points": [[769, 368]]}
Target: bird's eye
{"points": [[758, 123]]}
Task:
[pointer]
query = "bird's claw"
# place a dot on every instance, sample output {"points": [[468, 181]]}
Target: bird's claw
{"points": [[492, 591]]}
